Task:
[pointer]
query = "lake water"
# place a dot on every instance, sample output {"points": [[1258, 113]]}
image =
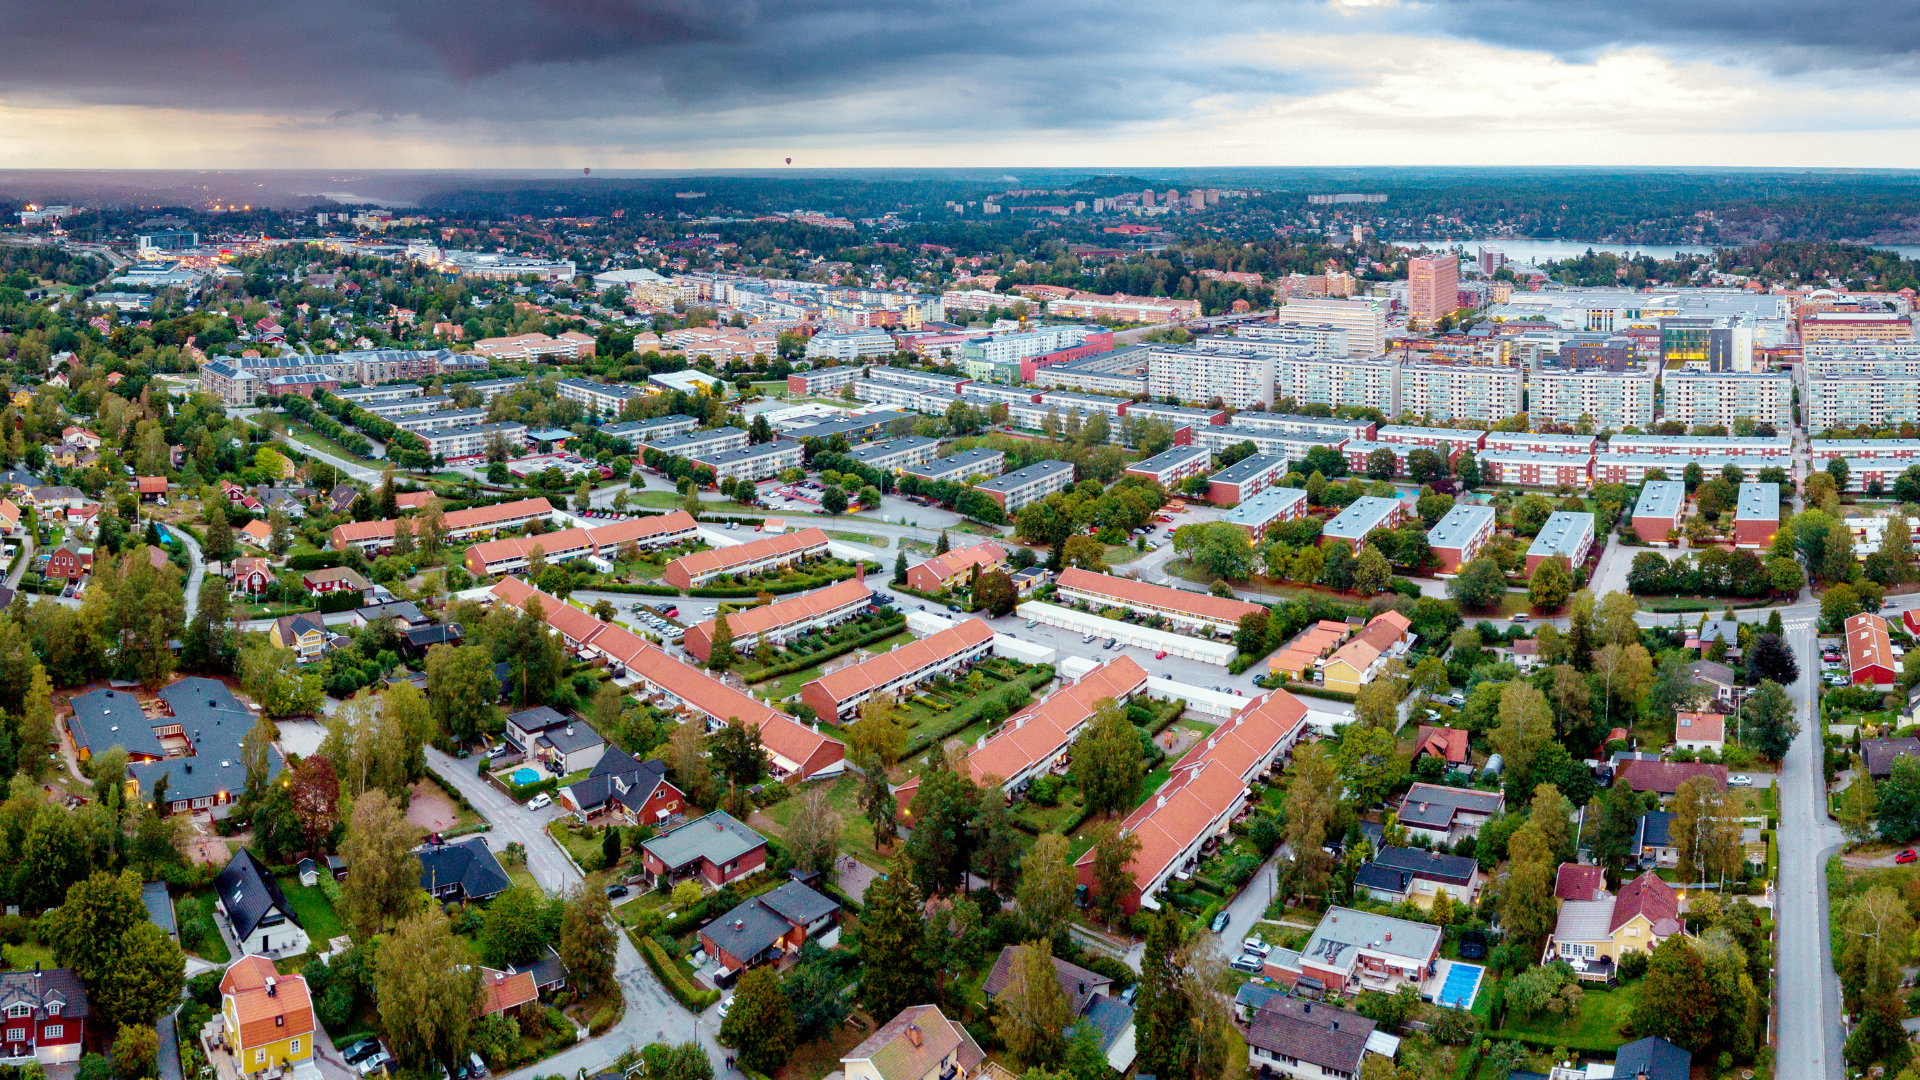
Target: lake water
{"points": [[1536, 251]]}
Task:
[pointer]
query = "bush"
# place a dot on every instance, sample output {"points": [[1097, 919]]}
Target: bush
{"points": [[663, 969], [603, 1020], [1633, 965]]}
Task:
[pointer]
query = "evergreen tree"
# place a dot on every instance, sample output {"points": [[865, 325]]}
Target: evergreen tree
{"points": [[900, 568], [759, 1023], [942, 547], [1677, 1001], [610, 848], [1163, 1018], [721, 657], [891, 927]]}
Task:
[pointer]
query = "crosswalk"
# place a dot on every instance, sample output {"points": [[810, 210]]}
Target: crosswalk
{"points": [[1798, 624]]}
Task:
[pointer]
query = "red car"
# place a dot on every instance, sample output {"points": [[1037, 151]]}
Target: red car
{"points": [[1161, 655], [1165, 518], [1905, 857]]}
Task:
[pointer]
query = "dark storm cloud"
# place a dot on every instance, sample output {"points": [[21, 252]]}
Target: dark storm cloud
{"points": [[945, 64]]}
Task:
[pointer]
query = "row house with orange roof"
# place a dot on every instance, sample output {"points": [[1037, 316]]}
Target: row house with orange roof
{"points": [[513, 554], [1207, 789], [1183, 609], [837, 695], [778, 623], [374, 537], [1039, 737], [752, 557], [792, 747]]}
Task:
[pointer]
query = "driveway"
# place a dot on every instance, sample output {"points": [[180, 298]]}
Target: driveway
{"points": [[1808, 1017], [1247, 908]]}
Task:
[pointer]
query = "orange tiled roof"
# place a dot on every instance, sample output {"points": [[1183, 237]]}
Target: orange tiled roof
{"points": [[1040, 728], [1250, 738], [755, 620], [500, 991], [850, 681], [1122, 589], [1170, 821], [718, 559], [246, 982]]}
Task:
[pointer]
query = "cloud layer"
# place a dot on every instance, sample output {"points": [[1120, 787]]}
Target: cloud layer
{"points": [[950, 82]]}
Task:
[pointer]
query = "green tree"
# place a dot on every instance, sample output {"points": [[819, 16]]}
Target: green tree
{"points": [[1900, 801], [1047, 884], [274, 678], [1164, 1015], [136, 1051], [720, 656], [759, 1023], [1107, 760], [900, 568], [833, 500], [386, 873], [996, 592], [892, 926], [461, 689], [1768, 725], [1551, 583], [1618, 822], [512, 931], [36, 725], [1371, 572], [1032, 1014], [1858, 805], [1526, 725], [427, 989], [1526, 903], [1677, 1002], [1479, 585], [1368, 763], [1113, 855], [587, 941]]}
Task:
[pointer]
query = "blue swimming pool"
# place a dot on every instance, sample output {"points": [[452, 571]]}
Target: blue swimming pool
{"points": [[523, 777], [1460, 987]]}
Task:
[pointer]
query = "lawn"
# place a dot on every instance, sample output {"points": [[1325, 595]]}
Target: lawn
{"points": [[316, 913], [213, 947], [658, 500], [583, 846], [303, 434], [858, 538], [1597, 1028], [787, 685], [27, 954], [856, 836], [918, 547]]}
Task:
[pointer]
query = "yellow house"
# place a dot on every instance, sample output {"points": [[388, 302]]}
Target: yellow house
{"points": [[22, 398], [268, 1016], [1592, 935], [304, 633], [1360, 659]]}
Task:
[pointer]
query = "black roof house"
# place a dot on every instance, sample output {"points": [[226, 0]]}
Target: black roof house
{"points": [[466, 870], [251, 896]]}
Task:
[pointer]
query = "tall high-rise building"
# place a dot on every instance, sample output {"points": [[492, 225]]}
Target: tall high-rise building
{"points": [[1433, 286], [1363, 318]]}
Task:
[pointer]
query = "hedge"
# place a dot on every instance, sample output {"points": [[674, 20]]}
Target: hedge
{"points": [[635, 590], [521, 793], [683, 991], [1315, 691], [970, 712], [814, 582], [315, 560], [453, 793], [841, 648]]}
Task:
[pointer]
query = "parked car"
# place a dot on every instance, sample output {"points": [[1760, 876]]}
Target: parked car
{"points": [[1247, 962], [1161, 655], [1256, 946], [616, 890], [1739, 780], [1905, 857], [361, 1050], [540, 801], [376, 1063], [1111, 642], [1220, 922], [721, 1012], [1031, 623]]}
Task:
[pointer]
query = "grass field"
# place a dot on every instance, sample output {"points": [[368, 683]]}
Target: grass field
{"points": [[317, 916], [856, 836], [859, 538], [303, 434], [1597, 1028]]}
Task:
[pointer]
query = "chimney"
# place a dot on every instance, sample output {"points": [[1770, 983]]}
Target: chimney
{"points": [[1308, 1010], [913, 1034], [860, 572], [1162, 802], [271, 992], [1389, 935]]}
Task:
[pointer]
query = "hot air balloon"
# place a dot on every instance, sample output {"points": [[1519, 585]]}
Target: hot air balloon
{"points": [[588, 172], [789, 161]]}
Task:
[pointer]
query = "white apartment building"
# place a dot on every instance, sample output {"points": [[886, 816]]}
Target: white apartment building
{"points": [[896, 454], [660, 427], [1363, 318], [1614, 399], [454, 444], [488, 389], [752, 462], [697, 444], [922, 380], [1293, 447], [851, 346], [600, 399], [895, 395], [1334, 381], [1459, 391], [1725, 445], [1861, 358], [1065, 400], [1721, 397], [1203, 372], [1029, 485], [437, 421], [1877, 400], [389, 410], [1325, 339]]}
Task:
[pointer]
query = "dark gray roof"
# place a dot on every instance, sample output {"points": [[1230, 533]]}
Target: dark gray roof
{"points": [[572, 738], [747, 931], [538, 718], [1655, 830], [468, 862], [1321, 1034], [38, 989], [393, 609], [1383, 878], [217, 723], [422, 637], [1077, 983], [1253, 995], [105, 719], [1109, 1016], [618, 774], [718, 838], [1453, 869], [159, 905], [1881, 753], [1434, 806], [798, 904], [250, 894], [547, 971], [1655, 1059]]}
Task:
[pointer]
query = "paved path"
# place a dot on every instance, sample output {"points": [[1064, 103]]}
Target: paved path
{"points": [[1807, 1014], [652, 1013]]}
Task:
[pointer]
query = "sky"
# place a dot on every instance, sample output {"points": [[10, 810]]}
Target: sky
{"points": [[954, 83]]}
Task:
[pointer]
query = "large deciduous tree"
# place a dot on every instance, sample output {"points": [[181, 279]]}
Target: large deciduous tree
{"points": [[427, 988], [385, 878]]}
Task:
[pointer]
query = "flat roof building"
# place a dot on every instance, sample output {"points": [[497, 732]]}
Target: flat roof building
{"points": [[1267, 509], [1169, 468], [1756, 515], [1659, 509], [1246, 478], [1566, 533], [955, 468], [1029, 485], [753, 463], [1458, 537], [1536, 468], [1362, 516], [897, 455]]}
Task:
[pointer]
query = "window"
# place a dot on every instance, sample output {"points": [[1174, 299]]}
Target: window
{"points": [[16, 1034], [53, 1008], [55, 1031], [260, 1056], [293, 1046], [18, 1010]]}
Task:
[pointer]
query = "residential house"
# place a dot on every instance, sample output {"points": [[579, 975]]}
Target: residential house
{"points": [[46, 1015], [251, 575], [1870, 651], [268, 1018], [264, 923], [335, 579], [714, 850], [461, 870], [1880, 754], [1401, 873], [1700, 731], [955, 567], [304, 633], [70, 562], [1090, 998], [1574, 881], [918, 1044], [635, 791], [1718, 680], [1665, 777], [1355, 664], [1308, 1040], [1653, 841], [193, 745], [1448, 814], [1652, 1058], [415, 642], [546, 735], [770, 926], [1351, 951], [256, 533], [548, 973], [150, 488], [402, 613], [505, 992], [1593, 935], [11, 523], [1447, 744]]}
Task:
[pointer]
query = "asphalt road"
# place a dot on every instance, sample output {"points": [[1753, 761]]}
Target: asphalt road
{"points": [[1807, 1014], [652, 1013]]}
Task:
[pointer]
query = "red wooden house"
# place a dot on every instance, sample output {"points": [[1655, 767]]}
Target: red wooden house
{"points": [[70, 563], [46, 1014], [251, 575], [713, 850]]}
